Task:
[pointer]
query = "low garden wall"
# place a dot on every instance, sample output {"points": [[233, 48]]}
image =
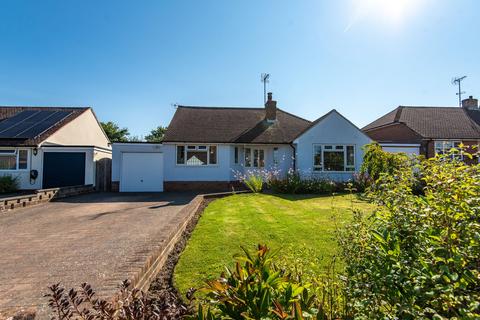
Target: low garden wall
{"points": [[42, 196], [159, 257]]}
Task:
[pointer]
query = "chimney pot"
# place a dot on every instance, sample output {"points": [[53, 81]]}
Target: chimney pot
{"points": [[270, 108], [470, 103]]}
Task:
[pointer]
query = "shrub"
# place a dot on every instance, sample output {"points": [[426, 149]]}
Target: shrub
{"points": [[8, 184], [417, 256], [254, 182], [257, 289], [294, 183], [361, 181], [255, 179], [377, 162], [130, 304]]}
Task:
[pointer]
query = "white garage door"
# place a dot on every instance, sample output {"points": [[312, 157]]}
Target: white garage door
{"points": [[141, 172], [407, 150]]}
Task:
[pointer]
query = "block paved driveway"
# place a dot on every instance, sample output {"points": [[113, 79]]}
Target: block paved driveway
{"points": [[100, 238]]}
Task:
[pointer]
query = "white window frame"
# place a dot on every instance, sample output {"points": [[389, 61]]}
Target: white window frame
{"points": [[199, 148], [276, 153], [16, 152], [252, 160], [445, 148], [321, 167]]}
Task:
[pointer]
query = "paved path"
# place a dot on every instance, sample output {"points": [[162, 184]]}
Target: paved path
{"points": [[97, 238]]}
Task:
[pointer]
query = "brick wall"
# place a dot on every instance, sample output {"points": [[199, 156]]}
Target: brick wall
{"points": [[203, 186], [42, 196], [115, 186]]}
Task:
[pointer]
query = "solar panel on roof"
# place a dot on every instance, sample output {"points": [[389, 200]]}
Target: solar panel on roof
{"points": [[44, 125], [30, 123], [21, 126], [15, 120]]}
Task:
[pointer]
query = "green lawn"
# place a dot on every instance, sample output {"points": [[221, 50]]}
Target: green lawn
{"points": [[300, 226]]}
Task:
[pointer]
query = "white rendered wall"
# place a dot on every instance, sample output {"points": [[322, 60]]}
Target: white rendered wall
{"points": [[333, 129], [82, 131]]}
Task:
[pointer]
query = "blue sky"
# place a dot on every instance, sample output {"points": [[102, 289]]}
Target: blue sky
{"points": [[132, 60]]}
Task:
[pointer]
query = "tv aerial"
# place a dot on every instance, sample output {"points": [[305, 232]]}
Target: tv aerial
{"points": [[265, 78], [457, 81]]}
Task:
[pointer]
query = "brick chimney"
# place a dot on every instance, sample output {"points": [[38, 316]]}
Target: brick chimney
{"points": [[270, 109], [470, 103]]}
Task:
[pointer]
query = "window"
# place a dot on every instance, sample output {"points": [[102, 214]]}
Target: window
{"points": [[22, 159], [339, 158], [180, 155], [275, 156], [255, 157], [11, 159], [350, 159], [212, 155], [236, 155], [248, 157], [333, 160], [317, 158], [193, 155], [442, 147]]}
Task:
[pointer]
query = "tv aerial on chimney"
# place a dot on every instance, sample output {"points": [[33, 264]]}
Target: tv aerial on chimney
{"points": [[458, 81], [265, 79]]}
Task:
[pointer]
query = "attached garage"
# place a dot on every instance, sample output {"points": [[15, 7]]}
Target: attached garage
{"points": [[141, 172], [63, 169], [413, 149], [137, 167]]}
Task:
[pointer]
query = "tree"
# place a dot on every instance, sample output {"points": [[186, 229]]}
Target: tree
{"points": [[114, 133], [156, 135]]}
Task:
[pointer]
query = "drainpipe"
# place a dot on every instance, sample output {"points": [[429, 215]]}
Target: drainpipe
{"points": [[294, 157]]}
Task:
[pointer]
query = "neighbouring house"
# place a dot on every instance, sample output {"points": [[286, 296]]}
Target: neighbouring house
{"points": [[428, 130], [207, 148], [46, 147]]}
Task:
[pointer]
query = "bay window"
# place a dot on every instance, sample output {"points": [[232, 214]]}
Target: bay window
{"points": [[196, 155], [254, 158], [336, 158], [13, 159]]}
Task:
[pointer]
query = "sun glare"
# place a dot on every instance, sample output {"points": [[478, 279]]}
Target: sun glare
{"points": [[388, 12]]}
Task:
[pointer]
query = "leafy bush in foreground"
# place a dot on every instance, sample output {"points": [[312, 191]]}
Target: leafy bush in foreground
{"points": [[258, 289], [417, 256], [129, 305], [377, 162], [8, 184]]}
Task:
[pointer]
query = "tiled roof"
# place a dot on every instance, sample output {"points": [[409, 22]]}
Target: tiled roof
{"points": [[7, 112], [432, 122], [474, 115], [232, 125]]}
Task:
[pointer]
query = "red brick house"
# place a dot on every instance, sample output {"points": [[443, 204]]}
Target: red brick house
{"points": [[428, 130]]}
